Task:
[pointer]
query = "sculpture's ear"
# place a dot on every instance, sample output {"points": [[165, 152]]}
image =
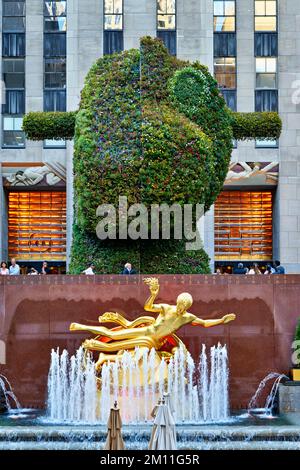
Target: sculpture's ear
{"points": [[193, 87], [49, 125]]}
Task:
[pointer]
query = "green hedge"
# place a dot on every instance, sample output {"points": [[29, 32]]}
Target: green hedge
{"points": [[49, 125], [245, 126], [248, 126]]}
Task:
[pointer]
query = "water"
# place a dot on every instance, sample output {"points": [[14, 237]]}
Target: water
{"points": [[7, 391], [137, 381], [267, 410]]}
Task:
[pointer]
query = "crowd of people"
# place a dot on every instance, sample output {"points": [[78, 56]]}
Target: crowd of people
{"points": [[15, 270], [275, 268]]}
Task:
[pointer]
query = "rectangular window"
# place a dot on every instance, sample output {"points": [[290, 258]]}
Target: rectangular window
{"points": [[266, 72], [265, 44], [54, 100], [243, 226], [113, 15], [37, 225], [113, 38], [166, 24], [224, 16], [13, 136], [266, 100], [230, 98], [55, 73], [265, 15], [225, 72], [13, 44], [55, 50], [166, 15], [224, 45], [13, 73]]}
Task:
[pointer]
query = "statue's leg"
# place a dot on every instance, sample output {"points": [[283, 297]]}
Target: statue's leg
{"points": [[116, 346], [104, 358]]}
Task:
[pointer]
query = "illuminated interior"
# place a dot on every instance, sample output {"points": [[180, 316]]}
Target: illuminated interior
{"points": [[37, 225], [243, 226]]}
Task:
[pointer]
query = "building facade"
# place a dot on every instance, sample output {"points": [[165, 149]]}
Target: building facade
{"points": [[251, 46]]}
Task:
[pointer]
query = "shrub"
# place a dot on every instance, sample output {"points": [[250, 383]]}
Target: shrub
{"points": [[49, 125]]}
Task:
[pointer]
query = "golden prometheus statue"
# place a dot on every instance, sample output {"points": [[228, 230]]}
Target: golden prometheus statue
{"points": [[145, 331]]}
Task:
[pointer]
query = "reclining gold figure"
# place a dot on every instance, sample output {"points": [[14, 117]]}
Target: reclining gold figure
{"points": [[145, 331]]}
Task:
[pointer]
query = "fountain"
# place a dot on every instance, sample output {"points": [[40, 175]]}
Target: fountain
{"points": [[8, 400], [75, 394], [267, 410]]}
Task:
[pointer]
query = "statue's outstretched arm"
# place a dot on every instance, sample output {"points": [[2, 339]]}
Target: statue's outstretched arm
{"points": [[150, 306], [209, 323]]}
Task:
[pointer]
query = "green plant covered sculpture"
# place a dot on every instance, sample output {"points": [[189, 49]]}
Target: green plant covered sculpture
{"points": [[156, 130]]}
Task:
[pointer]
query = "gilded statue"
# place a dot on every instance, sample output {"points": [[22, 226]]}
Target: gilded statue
{"points": [[145, 331]]}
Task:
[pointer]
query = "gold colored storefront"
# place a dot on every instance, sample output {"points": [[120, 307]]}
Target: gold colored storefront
{"points": [[244, 226], [37, 225]]}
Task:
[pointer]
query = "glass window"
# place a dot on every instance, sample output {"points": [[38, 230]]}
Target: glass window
{"points": [[224, 16], [13, 136], [55, 143], [265, 15], [14, 102], [14, 24], [55, 73], [55, 24], [225, 72], [266, 69], [13, 45], [55, 8], [13, 73], [166, 14], [54, 100], [266, 143], [113, 14], [112, 42], [55, 45], [13, 9], [266, 100]]}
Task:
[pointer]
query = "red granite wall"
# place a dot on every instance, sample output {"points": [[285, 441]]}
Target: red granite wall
{"points": [[35, 313]]}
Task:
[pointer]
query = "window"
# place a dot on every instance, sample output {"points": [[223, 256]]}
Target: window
{"points": [[266, 100], [13, 136], [266, 68], [224, 16], [265, 15], [13, 44], [265, 44], [225, 72], [166, 24], [13, 72], [113, 40], [55, 27], [166, 15], [55, 73], [224, 45], [230, 98], [113, 15]]}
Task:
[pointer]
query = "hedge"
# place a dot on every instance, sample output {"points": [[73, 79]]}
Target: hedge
{"points": [[248, 126], [60, 125], [49, 125]]}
